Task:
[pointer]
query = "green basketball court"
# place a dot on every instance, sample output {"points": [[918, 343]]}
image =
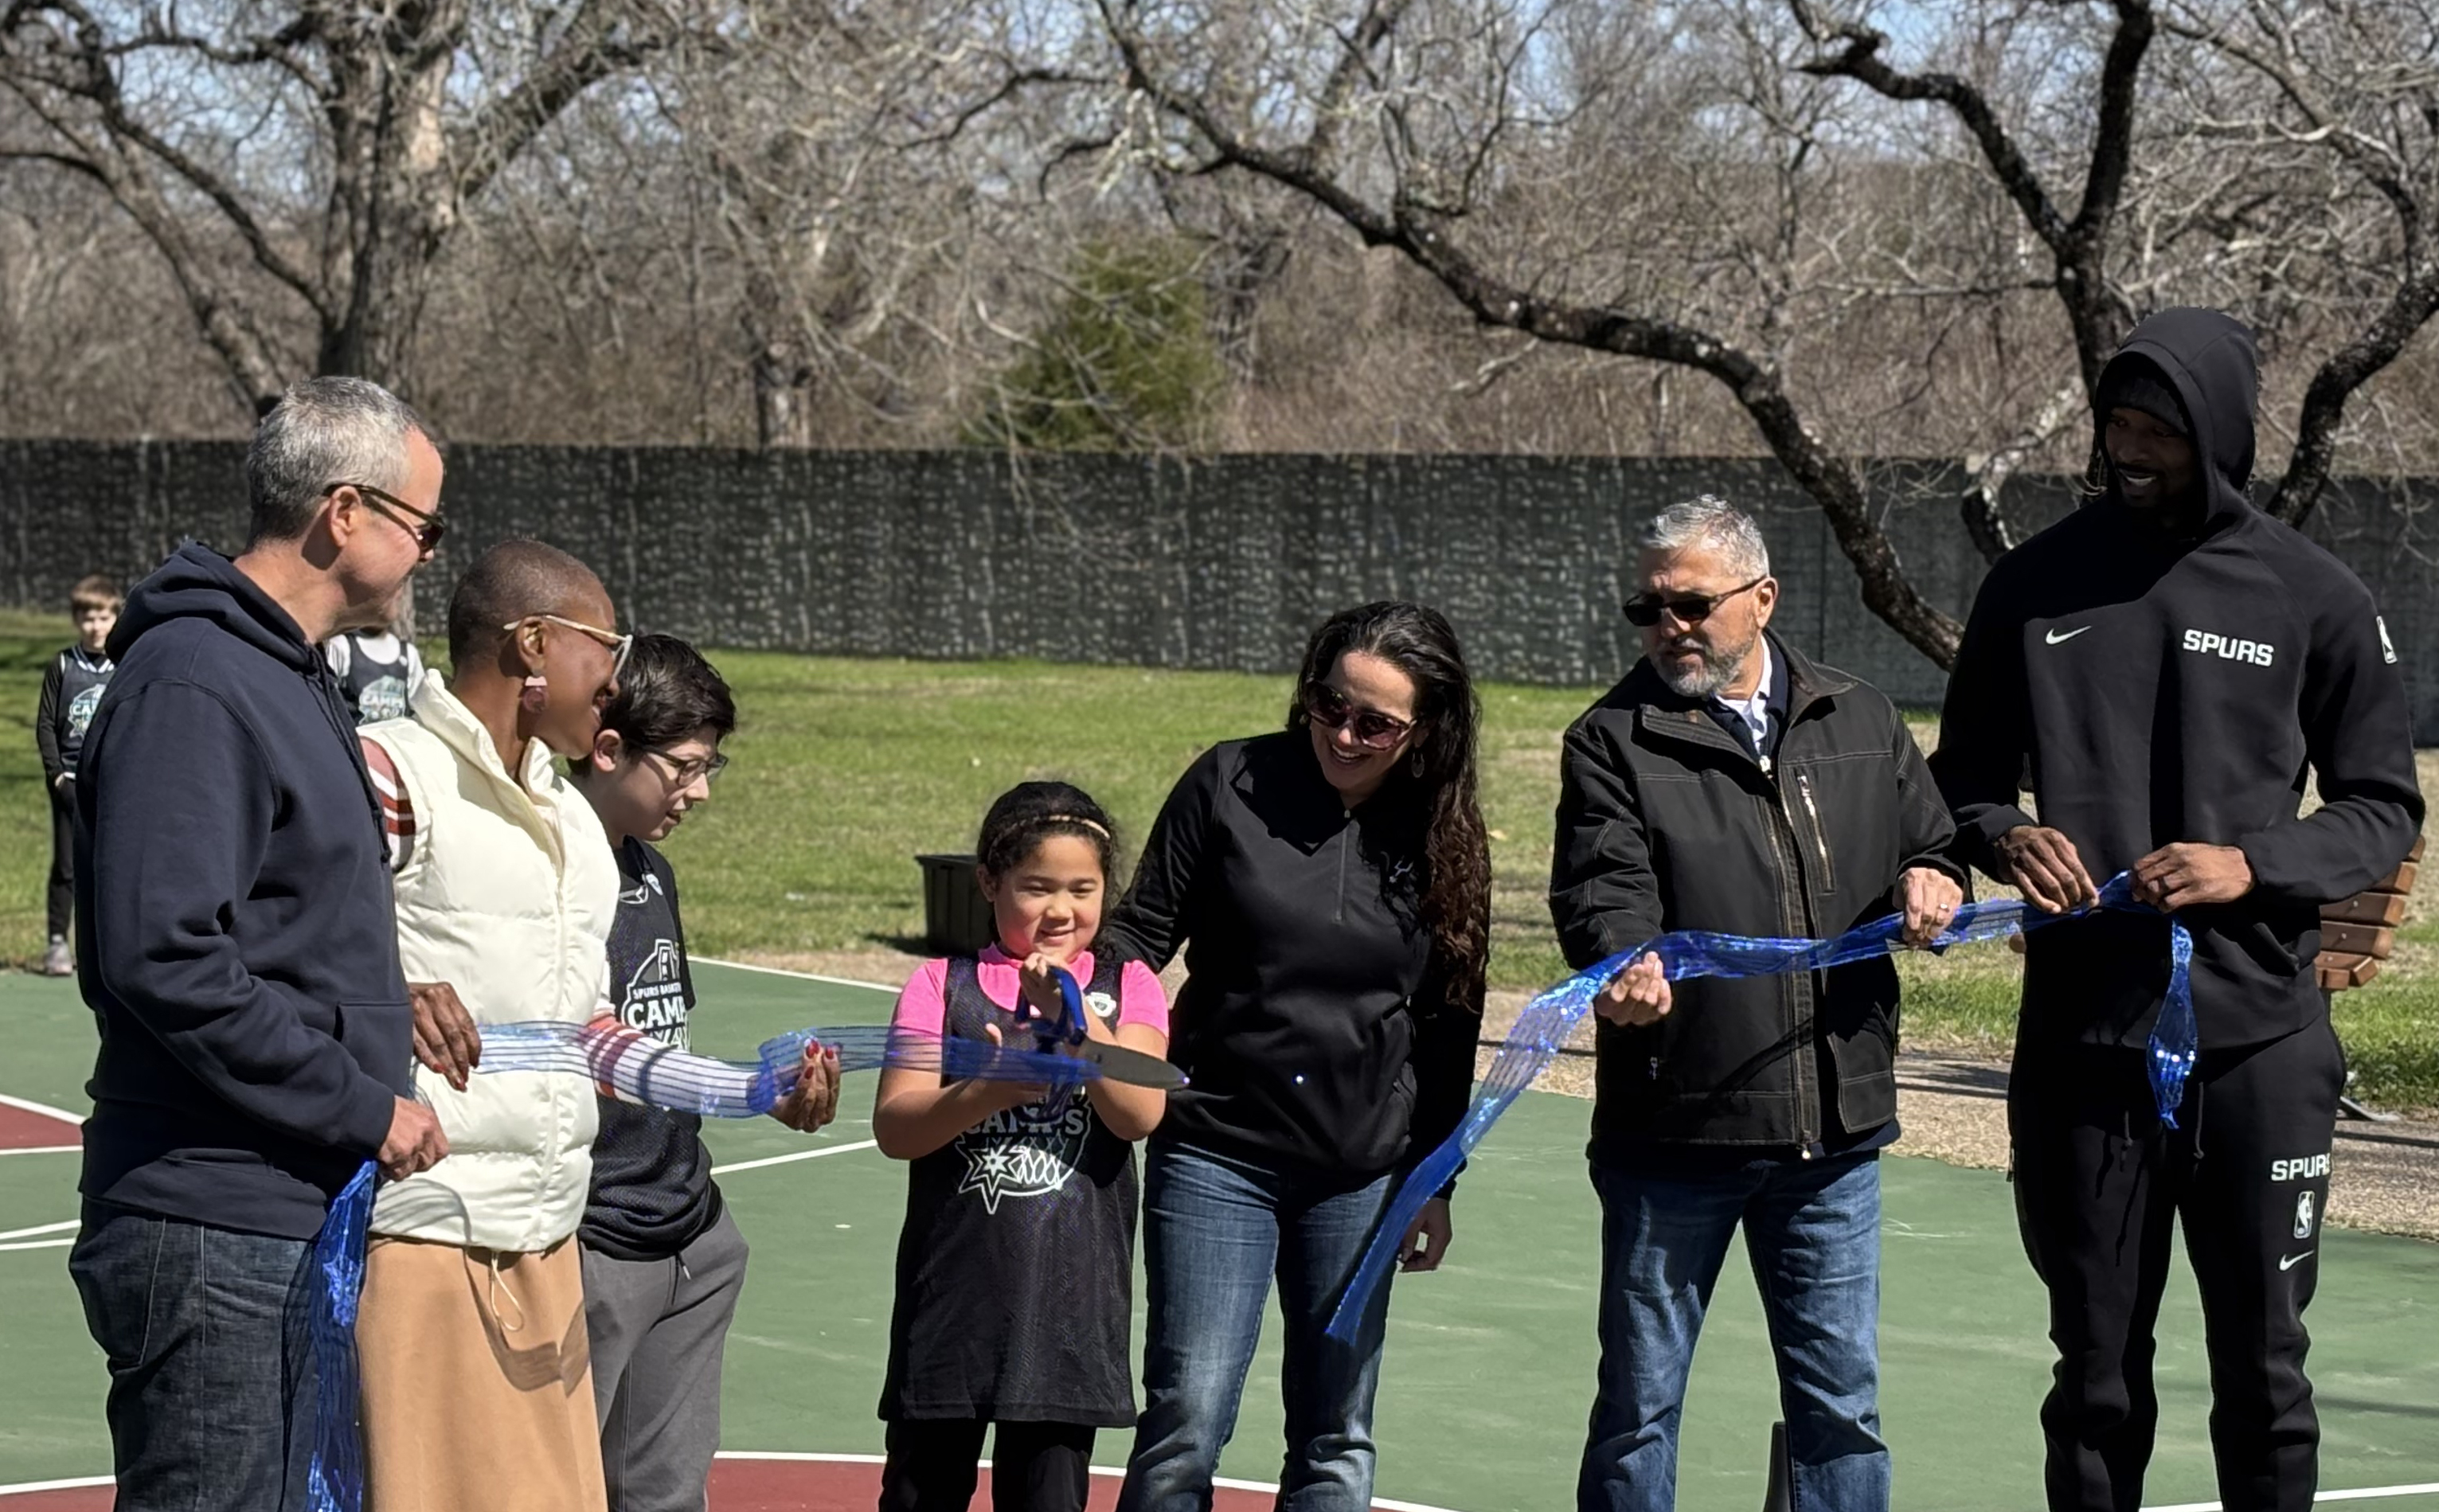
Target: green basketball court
{"points": [[1489, 1365]]}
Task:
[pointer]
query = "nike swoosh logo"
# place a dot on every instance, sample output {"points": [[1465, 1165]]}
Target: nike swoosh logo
{"points": [[2054, 638], [2289, 1262]]}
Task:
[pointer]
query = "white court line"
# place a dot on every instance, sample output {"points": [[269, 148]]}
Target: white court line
{"points": [[39, 1244], [44, 1109], [801, 976], [2369, 1493], [793, 1156], [1107, 1471], [40, 1228], [42, 1150], [2366, 1494]]}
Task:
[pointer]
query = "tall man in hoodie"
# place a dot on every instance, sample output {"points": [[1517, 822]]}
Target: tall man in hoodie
{"points": [[1729, 784], [236, 945], [2166, 664], [477, 1383]]}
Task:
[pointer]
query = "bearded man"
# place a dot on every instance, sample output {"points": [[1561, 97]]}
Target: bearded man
{"points": [[1728, 784]]}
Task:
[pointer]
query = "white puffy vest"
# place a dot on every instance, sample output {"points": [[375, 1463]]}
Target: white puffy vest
{"points": [[507, 896]]}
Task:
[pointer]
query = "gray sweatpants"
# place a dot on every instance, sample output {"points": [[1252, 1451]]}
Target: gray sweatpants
{"points": [[657, 1329]]}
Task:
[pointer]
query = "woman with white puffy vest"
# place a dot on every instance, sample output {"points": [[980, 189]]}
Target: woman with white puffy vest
{"points": [[477, 1390]]}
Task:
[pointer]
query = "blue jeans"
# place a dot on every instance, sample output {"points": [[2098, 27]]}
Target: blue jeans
{"points": [[211, 1367], [1812, 1229], [1215, 1230]]}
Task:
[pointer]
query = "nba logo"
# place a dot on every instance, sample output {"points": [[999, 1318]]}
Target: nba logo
{"points": [[2303, 1217]]}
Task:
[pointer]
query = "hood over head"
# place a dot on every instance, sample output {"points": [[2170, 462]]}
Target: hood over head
{"points": [[2207, 362]]}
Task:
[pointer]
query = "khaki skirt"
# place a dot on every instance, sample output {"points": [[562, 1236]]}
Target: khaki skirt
{"points": [[477, 1381]]}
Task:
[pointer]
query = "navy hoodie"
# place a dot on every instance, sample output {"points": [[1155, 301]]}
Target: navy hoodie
{"points": [[236, 934], [2154, 687]]}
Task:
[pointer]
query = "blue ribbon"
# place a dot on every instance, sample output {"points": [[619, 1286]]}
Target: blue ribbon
{"points": [[669, 1078], [336, 1481], [1547, 1020], [647, 1071]]}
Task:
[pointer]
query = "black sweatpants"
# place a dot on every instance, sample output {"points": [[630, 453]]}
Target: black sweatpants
{"points": [[1034, 1466], [2099, 1182], [60, 899]]}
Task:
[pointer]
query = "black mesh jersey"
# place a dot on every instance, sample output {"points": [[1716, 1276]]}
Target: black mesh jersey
{"points": [[378, 688], [652, 1193], [1016, 1266]]}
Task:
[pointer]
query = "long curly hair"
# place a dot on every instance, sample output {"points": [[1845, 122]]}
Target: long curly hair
{"points": [[1437, 784]]}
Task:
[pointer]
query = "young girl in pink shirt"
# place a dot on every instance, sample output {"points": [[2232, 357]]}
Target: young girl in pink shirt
{"points": [[1015, 1268]]}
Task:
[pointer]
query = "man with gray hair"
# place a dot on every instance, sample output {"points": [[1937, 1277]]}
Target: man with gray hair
{"points": [[1728, 784], [238, 946]]}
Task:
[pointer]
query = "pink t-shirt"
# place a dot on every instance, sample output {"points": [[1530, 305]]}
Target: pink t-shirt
{"points": [[923, 1007]]}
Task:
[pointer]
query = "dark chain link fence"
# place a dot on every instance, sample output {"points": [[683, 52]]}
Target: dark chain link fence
{"points": [[1223, 561]]}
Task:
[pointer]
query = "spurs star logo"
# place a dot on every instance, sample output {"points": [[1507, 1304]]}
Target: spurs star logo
{"points": [[1027, 1151]]}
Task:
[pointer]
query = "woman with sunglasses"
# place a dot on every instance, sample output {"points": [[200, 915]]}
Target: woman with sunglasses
{"points": [[1331, 887]]}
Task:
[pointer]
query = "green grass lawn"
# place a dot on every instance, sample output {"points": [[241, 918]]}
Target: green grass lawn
{"points": [[845, 770]]}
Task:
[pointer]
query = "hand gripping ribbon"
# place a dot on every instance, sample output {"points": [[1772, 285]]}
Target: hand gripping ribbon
{"points": [[1546, 1021], [632, 1066]]}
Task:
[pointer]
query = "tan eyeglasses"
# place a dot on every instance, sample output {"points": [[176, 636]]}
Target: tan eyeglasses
{"points": [[619, 644]]}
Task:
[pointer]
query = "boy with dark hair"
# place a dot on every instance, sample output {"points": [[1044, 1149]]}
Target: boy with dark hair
{"points": [[663, 1261], [72, 688]]}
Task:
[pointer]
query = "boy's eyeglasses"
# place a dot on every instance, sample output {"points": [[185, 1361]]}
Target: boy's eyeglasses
{"points": [[426, 526], [1328, 708], [1644, 611], [686, 774], [620, 645]]}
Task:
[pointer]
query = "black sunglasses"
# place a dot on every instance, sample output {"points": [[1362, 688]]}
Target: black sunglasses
{"points": [[1328, 708], [427, 527], [1644, 611]]}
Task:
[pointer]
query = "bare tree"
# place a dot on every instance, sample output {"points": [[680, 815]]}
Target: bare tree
{"points": [[1459, 107], [2356, 85], [2356, 81], [308, 158]]}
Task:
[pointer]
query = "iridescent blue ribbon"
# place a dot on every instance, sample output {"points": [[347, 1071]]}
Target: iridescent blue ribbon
{"points": [[336, 1481], [1549, 1019], [647, 1072], [642, 1069]]}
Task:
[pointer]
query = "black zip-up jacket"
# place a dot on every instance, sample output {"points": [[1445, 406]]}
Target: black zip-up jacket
{"points": [[1312, 1021], [235, 928], [1667, 821], [2159, 689]]}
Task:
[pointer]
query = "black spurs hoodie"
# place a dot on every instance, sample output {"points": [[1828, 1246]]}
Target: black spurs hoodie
{"points": [[235, 928], [2156, 687]]}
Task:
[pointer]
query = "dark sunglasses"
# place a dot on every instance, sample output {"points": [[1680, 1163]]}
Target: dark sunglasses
{"points": [[1644, 611], [1328, 708], [427, 527]]}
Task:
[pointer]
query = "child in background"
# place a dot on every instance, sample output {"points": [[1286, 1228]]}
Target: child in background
{"points": [[1016, 1266], [72, 688], [377, 669]]}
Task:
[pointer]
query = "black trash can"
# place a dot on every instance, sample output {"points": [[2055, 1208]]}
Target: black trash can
{"points": [[956, 916]]}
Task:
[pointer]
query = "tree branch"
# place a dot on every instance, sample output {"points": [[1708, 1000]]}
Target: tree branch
{"points": [[1422, 237]]}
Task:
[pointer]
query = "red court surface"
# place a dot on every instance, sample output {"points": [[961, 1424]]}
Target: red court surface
{"points": [[25, 1128], [847, 1484]]}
